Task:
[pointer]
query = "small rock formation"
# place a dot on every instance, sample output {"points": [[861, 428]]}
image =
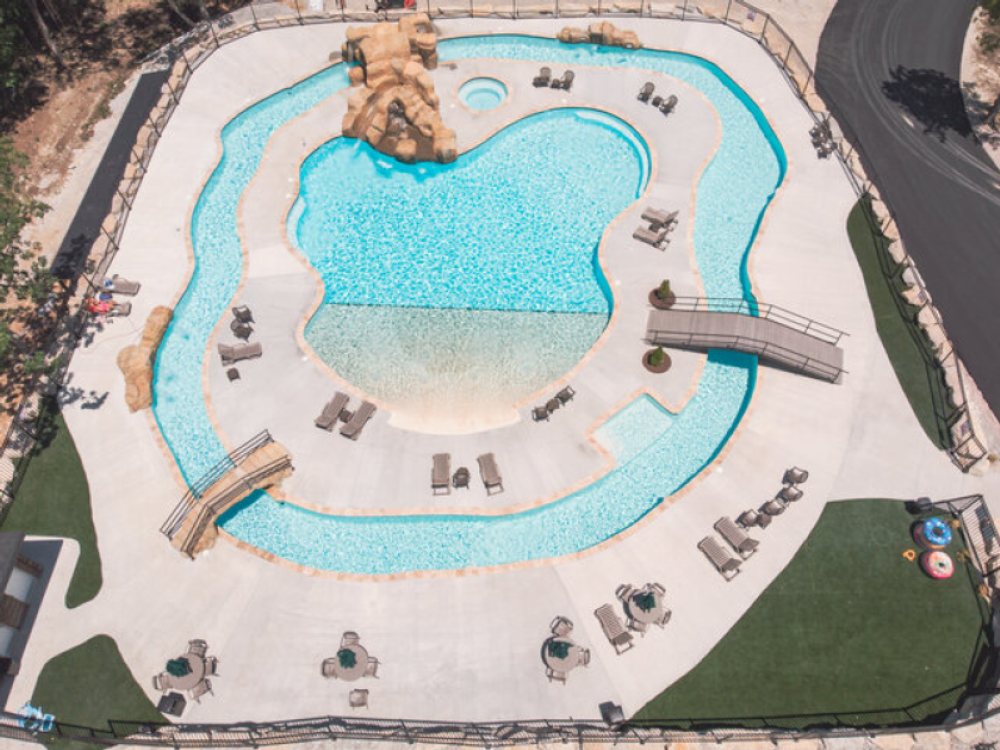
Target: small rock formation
{"points": [[396, 109], [601, 32], [136, 361]]}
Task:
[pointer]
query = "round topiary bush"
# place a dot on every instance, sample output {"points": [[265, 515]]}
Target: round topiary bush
{"points": [[662, 297], [656, 360]]}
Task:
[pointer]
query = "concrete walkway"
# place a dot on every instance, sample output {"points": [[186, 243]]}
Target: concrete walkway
{"points": [[467, 646]]}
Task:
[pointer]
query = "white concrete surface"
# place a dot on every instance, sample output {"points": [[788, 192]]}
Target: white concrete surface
{"points": [[467, 646]]}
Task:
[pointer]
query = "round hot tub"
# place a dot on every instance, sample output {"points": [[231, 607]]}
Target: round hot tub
{"points": [[482, 94]]}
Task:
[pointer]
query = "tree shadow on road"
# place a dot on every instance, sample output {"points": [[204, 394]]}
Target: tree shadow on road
{"points": [[930, 97]]}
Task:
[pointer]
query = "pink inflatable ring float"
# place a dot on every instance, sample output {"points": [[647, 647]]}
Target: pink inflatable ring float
{"points": [[937, 564]]}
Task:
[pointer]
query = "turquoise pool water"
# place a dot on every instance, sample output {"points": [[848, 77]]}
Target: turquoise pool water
{"points": [[482, 94], [428, 250], [732, 195]]}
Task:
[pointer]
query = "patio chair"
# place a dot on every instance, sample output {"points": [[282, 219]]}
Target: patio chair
{"points": [[748, 518], [372, 669], [664, 618], [540, 414], [565, 83], [461, 478], [657, 101], [773, 507], [795, 475], [242, 313], [240, 329], [358, 698], [614, 629], [490, 473], [232, 374], [645, 92], [555, 676], [584, 656], [668, 106], [118, 285], [198, 647], [637, 626], [358, 421], [203, 687], [543, 79], [566, 395], [212, 666], [441, 474], [736, 537], [624, 591], [327, 419], [764, 520], [724, 562], [329, 668], [233, 354], [790, 493], [561, 626], [161, 682], [553, 405], [647, 235], [349, 638]]}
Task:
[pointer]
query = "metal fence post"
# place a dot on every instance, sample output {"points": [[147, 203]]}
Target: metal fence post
{"points": [[729, 6], [256, 23], [767, 20]]}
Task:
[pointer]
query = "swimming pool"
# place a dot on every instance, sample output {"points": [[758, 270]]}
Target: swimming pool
{"points": [[733, 192]]}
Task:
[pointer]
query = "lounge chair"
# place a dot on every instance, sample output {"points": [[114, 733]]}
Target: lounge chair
{"points": [[117, 285], [561, 626], [242, 313], [624, 591], [441, 474], [490, 473], [565, 83], [240, 329], [566, 395], [198, 647], [668, 105], [555, 676], [736, 537], [647, 235], [796, 475], [358, 420], [205, 686], [645, 92], [724, 562], [790, 493], [614, 629], [349, 638], [327, 420], [543, 79], [122, 311], [372, 669], [358, 698], [540, 414], [233, 354], [659, 218], [461, 478]]}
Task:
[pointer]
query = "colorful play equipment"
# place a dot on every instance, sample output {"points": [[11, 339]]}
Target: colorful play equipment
{"points": [[937, 564], [932, 534]]}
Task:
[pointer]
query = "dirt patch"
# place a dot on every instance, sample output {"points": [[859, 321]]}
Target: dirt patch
{"points": [[981, 85]]}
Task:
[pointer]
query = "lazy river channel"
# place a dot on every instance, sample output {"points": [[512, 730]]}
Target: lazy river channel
{"points": [[656, 453]]}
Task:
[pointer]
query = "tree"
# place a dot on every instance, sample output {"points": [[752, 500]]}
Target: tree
{"points": [[989, 41], [43, 29]]}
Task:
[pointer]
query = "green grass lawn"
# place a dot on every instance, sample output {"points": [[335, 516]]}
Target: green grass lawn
{"points": [[918, 373], [54, 500], [850, 626], [89, 685]]}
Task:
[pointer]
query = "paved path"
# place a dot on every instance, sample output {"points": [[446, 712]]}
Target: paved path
{"points": [[889, 72]]}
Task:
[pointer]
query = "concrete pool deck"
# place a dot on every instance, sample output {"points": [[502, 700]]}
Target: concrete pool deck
{"points": [[467, 646]]}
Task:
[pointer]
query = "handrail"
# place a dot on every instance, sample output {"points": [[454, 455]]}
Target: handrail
{"points": [[763, 310]]}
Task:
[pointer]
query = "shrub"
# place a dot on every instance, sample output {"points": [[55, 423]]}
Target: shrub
{"points": [[663, 292], [658, 357]]}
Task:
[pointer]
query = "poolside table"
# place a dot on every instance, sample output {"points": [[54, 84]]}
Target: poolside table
{"points": [[652, 617], [360, 663], [573, 658], [192, 678]]}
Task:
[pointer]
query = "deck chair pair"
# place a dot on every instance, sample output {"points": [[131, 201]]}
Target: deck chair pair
{"points": [[728, 565], [333, 411]]}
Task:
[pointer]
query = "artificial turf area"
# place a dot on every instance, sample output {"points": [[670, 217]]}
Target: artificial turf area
{"points": [[89, 685], [851, 627], [909, 351], [53, 500]]}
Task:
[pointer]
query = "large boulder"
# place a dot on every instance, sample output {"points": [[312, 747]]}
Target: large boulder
{"points": [[601, 32], [136, 361]]}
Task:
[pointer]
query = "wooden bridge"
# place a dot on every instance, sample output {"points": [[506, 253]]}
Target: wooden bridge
{"points": [[778, 336]]}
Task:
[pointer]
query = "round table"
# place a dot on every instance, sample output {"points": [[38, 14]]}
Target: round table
{"points": [[572, 660], [360, 663], [192, 678], [651, 617]]}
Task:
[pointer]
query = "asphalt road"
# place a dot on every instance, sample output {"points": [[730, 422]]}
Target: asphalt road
{"points": [[889, 70]]}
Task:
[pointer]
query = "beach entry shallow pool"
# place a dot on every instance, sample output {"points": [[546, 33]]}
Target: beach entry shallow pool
{"points": [[478, 278], [733, 193]]}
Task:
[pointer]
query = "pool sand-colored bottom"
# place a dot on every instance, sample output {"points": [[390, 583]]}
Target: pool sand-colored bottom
{"points": [[439, 638]]}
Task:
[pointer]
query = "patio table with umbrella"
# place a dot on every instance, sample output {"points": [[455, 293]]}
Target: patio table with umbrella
{"points": [[350, 662], [561, 654], [645, 606]]}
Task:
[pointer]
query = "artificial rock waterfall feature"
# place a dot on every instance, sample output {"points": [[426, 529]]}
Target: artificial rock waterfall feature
{"points": [[395, 109]]}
